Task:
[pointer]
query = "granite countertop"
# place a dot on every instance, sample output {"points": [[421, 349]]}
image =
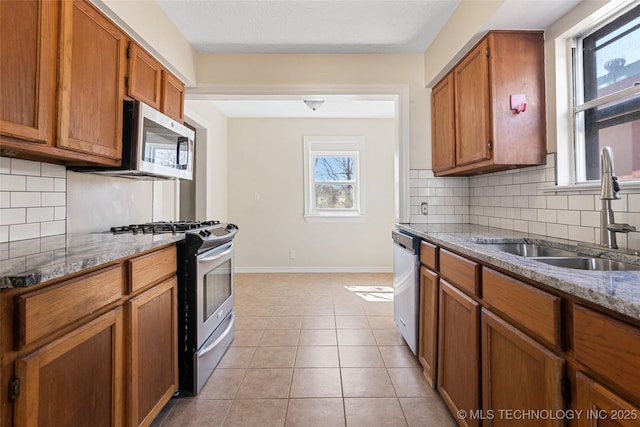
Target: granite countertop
{"points": [[29, 262], [616, 290]]}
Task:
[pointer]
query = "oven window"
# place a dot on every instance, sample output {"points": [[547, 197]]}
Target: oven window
{"points": [[217, 288]]}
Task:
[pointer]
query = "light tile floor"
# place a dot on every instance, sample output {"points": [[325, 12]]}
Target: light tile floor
{"points": [[309, 352]]}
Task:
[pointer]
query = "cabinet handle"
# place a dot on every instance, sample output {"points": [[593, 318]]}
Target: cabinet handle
{"points": [[490, 145]]}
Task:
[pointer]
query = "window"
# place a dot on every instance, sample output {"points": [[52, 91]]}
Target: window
{"points": [[607, 102], [333, 178]]}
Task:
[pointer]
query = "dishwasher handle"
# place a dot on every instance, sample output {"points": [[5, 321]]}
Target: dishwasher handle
{"points": [[407, 241]]}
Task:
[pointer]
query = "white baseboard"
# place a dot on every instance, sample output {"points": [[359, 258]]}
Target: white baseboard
{"points": [[314, 269]]}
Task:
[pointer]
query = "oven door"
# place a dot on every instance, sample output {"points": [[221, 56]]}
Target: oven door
{"points": [[215, 289]]}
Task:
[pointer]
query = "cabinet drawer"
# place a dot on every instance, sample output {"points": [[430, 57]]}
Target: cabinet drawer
{"points": [[429, 255], [43, 312], [534, 309], [460, 271], [148, 269], [609, 347]]}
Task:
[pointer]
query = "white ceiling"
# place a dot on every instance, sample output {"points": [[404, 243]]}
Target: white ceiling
{"points": [[309, 26], [332, 26]]}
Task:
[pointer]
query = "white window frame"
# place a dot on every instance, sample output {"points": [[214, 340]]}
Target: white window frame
{"points": [[315, 146], [579, 105]]}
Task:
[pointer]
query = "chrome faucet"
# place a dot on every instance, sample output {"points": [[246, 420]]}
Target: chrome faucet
{"points": [[609, 189]]}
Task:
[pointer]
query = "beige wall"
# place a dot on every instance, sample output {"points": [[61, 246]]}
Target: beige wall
{"points": [[211, 160], [147, 23], [266, 198], [328, 70]]}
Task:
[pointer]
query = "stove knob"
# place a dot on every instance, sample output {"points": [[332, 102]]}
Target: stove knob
{"points": [[203, 233], [231, 226]]}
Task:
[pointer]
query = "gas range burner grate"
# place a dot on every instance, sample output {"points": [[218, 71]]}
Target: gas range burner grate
{"points": [[162, 227]]}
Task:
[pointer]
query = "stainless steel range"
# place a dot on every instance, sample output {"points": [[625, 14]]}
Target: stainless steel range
{"points": [[205, 294]]}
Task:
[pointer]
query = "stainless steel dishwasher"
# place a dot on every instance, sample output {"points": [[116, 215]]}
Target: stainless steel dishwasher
{"points": [[406, 286]]}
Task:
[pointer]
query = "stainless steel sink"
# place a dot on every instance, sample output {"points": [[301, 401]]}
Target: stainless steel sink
{"points": [[589, 263], [531, 250]]}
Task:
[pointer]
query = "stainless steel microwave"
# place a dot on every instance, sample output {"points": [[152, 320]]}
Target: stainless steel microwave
{"points": [[153, 146]]}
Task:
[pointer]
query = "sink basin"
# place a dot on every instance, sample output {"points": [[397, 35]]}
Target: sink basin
{"points": [[588, 263], [531, 250]]}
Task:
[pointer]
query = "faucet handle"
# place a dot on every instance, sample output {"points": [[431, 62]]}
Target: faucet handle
{"points": [[621, 228]]}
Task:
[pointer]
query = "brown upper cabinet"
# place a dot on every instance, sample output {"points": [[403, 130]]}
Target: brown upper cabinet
{"points": [[474, 127], [63, 83], [27, 86], [92, 70], [152, 84], [145, 76], [172, 97]]}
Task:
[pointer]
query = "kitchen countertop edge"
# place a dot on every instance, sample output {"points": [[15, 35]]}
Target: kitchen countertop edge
{"points": [[73, 254], [618, 291]]}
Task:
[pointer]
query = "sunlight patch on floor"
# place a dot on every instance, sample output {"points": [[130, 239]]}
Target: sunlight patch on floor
{"points": [[373, 293]]}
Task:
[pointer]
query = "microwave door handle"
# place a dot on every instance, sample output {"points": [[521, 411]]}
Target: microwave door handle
{"points": [[217, 256], [182, 141]]}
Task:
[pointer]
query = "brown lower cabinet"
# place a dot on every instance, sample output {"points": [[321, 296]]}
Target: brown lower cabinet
{"points": [[75, 380], [600, 407], [458, 353], [96, 349], [517, 373], [152, 363], [428, 325], [516, 352]]}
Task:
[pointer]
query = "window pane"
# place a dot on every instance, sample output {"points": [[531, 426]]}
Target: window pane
{"points": [[334, 196], [335, 168], [611, 57]]}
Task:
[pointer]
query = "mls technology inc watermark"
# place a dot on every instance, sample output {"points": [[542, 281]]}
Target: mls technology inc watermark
{"points": [[549, 414]]}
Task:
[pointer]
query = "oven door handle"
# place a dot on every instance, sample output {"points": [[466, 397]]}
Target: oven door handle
{"points": [[214, 344], [216, 256]]}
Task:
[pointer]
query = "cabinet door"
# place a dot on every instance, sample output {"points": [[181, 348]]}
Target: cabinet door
{"points": [[27, 87], [93, 57], [75, 380], [428, 327], [458, 352], [145, 76], [473, 107], [443, 147], [601, 407], [518, 373], [172, 97], [152, 360]]}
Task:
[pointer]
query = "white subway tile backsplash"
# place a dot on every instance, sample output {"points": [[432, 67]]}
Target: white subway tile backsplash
{"points": [[40, 214], [590, 218], [56, 171], [12, 216], [23, 199], [24, 231], [25, 167], [32, 199], [581, 202], [54, 199], [52, 228], [59, 213], [37, 183], [5, 199], [5, 165], [514, 200], [13, 183]]}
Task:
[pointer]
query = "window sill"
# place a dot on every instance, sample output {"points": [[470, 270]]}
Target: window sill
{"points": [[345, 218], [632, 186]]}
